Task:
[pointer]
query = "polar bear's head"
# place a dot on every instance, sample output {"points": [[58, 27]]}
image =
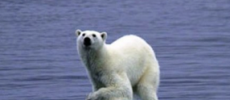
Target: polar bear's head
{"points": [[90, 39]]}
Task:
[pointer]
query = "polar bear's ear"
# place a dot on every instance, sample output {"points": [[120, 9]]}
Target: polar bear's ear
{"points": [[78, 32], [103, 35]]}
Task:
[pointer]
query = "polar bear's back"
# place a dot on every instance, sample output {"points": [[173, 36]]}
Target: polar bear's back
{"points": [[132, 43]]}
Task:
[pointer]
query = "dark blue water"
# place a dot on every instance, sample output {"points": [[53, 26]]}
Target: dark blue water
{"points": [[39, 61]]}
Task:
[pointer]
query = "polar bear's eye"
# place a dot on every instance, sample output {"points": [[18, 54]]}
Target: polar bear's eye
{"points": [[94, 35], [83, 34]]}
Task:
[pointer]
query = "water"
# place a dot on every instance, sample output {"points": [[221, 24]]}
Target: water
{"points": [[39, 61]]}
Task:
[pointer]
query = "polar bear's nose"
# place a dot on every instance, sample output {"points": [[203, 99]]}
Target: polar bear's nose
{"points": [[87, 41]]}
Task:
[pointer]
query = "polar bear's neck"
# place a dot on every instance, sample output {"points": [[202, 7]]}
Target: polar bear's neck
{"points": [[94, 59]]}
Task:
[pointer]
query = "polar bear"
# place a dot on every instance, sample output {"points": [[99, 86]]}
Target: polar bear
{"points": [[120, 69]]}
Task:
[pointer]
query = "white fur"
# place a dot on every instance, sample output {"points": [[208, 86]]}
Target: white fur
{"points": [[117, 70]]}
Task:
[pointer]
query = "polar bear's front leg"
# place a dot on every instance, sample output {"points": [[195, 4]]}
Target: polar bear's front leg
{"points": [[118, 87]]}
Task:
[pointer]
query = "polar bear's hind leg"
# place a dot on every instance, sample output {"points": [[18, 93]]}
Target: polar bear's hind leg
{"points": [[147, 86]]}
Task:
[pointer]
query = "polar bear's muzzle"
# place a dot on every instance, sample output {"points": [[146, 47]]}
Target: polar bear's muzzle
{"points": [[87, 42]]}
